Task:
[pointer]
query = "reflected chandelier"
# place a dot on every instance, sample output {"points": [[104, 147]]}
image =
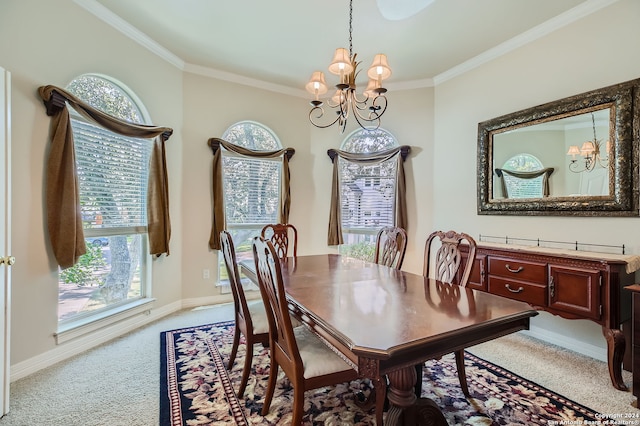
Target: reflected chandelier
{"points": [[591, 153], [366, 108]]}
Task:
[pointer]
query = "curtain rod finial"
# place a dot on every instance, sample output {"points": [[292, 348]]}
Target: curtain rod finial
{"points": [[55, 103]]}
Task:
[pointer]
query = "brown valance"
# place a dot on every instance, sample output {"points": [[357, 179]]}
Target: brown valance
{"points": [[64, 219], [334, 236], [218, 224], [546, 172]]}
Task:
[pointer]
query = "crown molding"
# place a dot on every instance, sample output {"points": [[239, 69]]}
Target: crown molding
{"points": [[247, 81], [130, 31], [553, 24]]}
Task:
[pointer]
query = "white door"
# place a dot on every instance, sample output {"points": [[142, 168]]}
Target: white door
{"points": [[6, 260], [595, 182]]}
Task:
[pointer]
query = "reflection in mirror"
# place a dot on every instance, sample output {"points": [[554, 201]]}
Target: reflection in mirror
{"points": [[576, 156], [576, 148], [523, 176]]}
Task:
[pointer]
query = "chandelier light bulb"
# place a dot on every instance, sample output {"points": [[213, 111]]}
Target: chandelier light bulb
{"points": [[379, 69], [573, 151], [367, 111], [591, 151]]}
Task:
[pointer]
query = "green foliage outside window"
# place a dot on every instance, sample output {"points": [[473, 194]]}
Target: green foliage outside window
{"points": [[364, 251], [84, 272]]}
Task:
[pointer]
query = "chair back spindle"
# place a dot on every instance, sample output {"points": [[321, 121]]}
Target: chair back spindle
{"points": [[284, 238], [447, 258], [391, 245]]}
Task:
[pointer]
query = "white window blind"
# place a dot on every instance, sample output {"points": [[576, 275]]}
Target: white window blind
{"points": [[251, 190], [368, 194], [112, 173]]}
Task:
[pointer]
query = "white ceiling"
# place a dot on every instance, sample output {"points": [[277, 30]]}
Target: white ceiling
{"points": [[279, 43]]}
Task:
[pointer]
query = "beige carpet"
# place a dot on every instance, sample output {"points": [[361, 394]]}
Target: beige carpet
{"points": [[117, 384], [577, 377]]}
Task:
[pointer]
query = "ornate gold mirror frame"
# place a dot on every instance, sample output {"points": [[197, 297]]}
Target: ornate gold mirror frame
{"points": [[623, 100]]}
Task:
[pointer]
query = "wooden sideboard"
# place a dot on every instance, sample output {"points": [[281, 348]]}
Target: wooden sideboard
{"points": [[570, 284], [635, 339]]}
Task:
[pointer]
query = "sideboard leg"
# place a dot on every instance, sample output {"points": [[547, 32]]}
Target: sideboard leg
{"points": [[615, 354]]}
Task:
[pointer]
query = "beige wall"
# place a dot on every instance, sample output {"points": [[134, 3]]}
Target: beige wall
{"points": [[51, 44], [59, 40], [210, 107], [594, 52]]}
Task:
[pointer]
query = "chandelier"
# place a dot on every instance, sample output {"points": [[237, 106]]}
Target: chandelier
{"points": [[366, 108], [591, 152]]}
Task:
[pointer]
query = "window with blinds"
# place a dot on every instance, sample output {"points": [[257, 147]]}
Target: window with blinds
{"points": [[112, 175], [251, 188], [367, 196], [367, 192], [523, 188]]}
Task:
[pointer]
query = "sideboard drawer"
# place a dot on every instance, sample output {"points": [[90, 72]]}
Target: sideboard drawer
{"points": [[533, 293], [518, 270]]}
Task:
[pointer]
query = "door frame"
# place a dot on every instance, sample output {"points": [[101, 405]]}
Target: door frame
{"points": [[5, 236]]}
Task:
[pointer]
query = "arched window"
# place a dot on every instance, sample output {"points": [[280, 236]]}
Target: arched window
{"points": [[367, 192], [251, 186], [523, 188], [112, 173]]}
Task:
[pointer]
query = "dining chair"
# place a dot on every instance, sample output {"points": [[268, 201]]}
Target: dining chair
{"points": [[304, 358], [250, 316], [391, 245], [445, 267], [284, 238]]}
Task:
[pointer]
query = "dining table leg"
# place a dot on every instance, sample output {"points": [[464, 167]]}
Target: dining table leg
{"points": [[405, 408]]}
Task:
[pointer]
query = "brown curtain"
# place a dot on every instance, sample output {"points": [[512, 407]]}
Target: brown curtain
{"points": [[64, 220], [334, 236], [218, 196], [526, 175]]}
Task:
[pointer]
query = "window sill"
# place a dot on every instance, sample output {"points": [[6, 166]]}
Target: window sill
{"points": [[73, 329]]}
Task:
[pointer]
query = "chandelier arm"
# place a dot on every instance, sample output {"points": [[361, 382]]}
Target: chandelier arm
{"points": [[573, 167], [379, 109], [359, 119], [321, 126], [349, 102], [375, 110]]}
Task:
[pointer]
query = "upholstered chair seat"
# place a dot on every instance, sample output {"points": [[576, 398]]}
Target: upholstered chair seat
{"points": [[317, 358]]}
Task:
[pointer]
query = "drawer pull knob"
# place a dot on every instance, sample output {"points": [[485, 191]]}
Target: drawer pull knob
{"points": [[520, 289], [515, 271]]}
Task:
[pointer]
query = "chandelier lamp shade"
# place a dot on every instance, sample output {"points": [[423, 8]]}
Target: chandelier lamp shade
{"points": [[367, 107], [591, 152]]}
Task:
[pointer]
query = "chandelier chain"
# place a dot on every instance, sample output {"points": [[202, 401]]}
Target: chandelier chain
{"points": [[350, 28], [367, 109]]}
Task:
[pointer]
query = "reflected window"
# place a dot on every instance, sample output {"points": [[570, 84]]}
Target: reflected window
{"points": [[518, 187]]}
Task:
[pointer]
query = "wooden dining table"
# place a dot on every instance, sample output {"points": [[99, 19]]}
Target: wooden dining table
{"points": [[385, 322]]}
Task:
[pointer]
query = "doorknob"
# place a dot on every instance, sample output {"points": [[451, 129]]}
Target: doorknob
{"points": [[7, 260]]}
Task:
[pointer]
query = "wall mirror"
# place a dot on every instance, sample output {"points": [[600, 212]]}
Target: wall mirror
{"points": [[574, 156]]}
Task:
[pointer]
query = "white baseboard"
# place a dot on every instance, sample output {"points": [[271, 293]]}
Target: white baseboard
{"points": [[568, 342], [88, 341]]}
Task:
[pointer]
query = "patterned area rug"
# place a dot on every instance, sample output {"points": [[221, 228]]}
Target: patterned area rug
{"points": [[197, 389]]}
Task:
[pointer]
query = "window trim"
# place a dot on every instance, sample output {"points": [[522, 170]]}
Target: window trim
{"points": [[86, 322]]}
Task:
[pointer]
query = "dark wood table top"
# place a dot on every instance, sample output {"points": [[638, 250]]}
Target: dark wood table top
{"points": [[389, 317]]}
